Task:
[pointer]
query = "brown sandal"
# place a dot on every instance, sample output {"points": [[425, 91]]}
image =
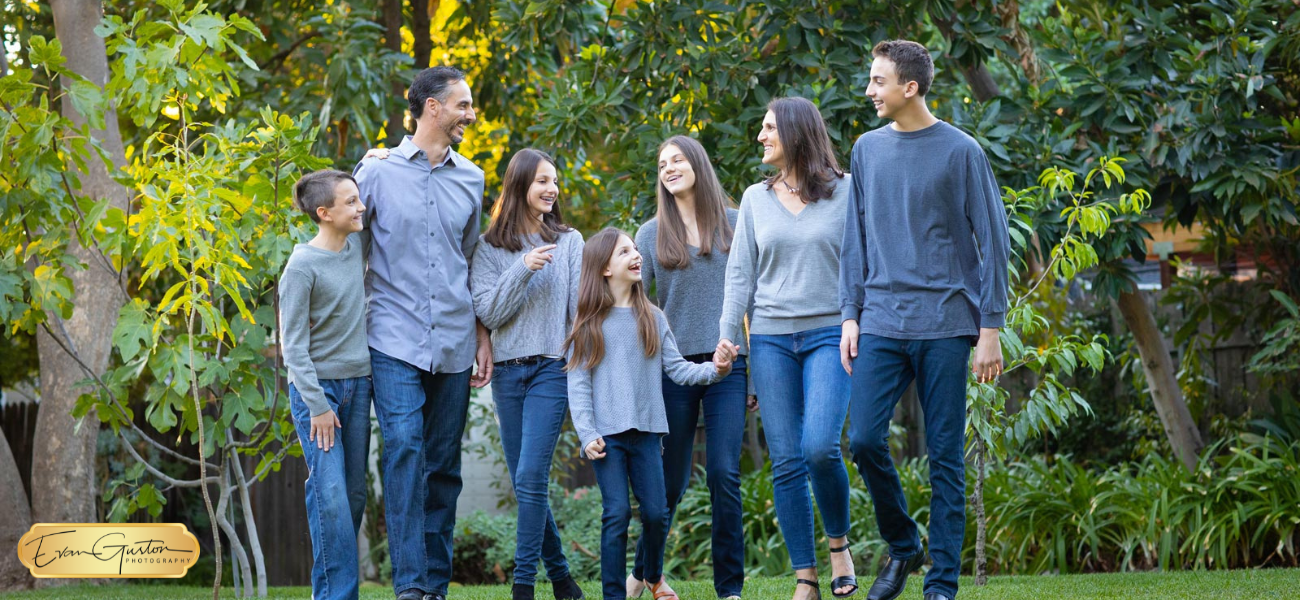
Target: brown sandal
{"points": [[664, 595]]}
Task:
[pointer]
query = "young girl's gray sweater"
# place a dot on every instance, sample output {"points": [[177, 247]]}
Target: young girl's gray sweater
{"points": [[625, 391]]}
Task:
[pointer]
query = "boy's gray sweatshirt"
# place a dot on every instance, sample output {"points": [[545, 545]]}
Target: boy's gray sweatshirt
{"points": [[323, 319]]}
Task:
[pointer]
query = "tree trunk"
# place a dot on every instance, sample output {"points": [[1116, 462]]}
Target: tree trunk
{"points": [[981, 82], [1183, 435], [396, 127], [63, 464], [17, 520], [421, 25], [250, 521], [1009, 10], [981, 519], [240, 568]]}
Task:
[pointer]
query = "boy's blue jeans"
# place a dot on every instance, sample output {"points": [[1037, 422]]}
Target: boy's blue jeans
{"points": [[881, 373], [336, 485], [531, 401], [633, 456], [803, 393]]}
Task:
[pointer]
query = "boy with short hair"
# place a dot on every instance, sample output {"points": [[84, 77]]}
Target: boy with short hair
{"points": [[323, 334], [923, 277]]}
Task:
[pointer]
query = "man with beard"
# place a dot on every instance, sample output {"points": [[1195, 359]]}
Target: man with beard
{"points": [[421, 227]]}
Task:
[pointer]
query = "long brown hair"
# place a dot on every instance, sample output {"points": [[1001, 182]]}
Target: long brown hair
{"points": [[710, 210], [809, 155], [587, 341], [510, 218]]}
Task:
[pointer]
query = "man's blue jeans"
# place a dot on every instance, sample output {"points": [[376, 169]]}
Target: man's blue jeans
{"points": [[633, 456], [723, 404], [881, 373], [421, 418], [531, 401], [336, 485], [803, 393]]}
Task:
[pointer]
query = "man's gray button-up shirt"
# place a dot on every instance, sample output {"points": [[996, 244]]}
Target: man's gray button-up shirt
{"points": [[422, 223]]}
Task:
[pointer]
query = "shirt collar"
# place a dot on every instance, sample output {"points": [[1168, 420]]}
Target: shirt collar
{"points": [[408, 150]]}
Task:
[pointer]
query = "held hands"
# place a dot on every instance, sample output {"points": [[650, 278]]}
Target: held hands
{"points": [[539, 257], [596, 449], [322, 429], [987, 366], [724, 355], [849, 344]]}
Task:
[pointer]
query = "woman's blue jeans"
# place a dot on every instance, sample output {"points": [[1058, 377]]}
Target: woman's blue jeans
{"points": [[803, 393]]}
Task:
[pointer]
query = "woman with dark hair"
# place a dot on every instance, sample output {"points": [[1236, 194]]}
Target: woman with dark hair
{"points": [[524, 280], [685, 247], [785, 264]]}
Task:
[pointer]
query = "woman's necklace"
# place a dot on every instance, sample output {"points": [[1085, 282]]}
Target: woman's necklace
{"points": [[793, 190]]}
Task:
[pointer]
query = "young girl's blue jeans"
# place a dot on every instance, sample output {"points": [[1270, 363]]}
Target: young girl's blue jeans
{"points": [[636, 457]]}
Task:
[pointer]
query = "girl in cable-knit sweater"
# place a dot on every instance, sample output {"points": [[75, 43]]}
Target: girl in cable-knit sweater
{"points": [[619, 348]]}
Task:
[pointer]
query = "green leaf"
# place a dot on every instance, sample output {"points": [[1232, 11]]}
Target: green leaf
{"points": [[132, 336], [1286, 303], [47, 54], [88, 100]]}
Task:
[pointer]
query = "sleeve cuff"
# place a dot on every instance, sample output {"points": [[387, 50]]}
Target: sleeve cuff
{"points": [[851, 313], [993, 320], [727, 330]]}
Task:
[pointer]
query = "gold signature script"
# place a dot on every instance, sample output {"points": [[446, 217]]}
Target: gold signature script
{"points": [[108, 550]]}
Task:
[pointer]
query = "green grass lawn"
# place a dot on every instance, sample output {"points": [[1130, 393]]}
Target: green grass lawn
{"points": [[1218, 585]]}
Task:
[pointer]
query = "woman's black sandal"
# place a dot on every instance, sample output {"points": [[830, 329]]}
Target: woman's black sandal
{"points": [[843, 580]]}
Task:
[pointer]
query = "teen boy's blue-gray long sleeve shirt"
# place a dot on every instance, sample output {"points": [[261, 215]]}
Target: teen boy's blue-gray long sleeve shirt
{"points": [[925, 249]]}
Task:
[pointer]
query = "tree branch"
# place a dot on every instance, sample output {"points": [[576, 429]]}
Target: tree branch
{"points": [[279, 57], [169, 480]]}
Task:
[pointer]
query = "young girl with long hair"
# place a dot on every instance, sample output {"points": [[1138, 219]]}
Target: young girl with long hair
{"points": [[525, 285], [620, 347], [686, 246], [784, 262]]}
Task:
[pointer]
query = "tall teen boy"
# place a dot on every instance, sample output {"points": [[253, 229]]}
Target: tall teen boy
{"points": [[923, 277]]}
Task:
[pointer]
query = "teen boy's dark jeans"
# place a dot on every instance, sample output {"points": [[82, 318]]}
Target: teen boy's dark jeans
{"points": [[881, 373]]}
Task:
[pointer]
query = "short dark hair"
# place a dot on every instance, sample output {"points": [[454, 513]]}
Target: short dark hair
{"points": [[911, 61], [316, 189], [431, 83]]}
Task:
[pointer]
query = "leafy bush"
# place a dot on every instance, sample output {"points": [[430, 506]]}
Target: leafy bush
{"points": [[1239, 509], [484, 545]]}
